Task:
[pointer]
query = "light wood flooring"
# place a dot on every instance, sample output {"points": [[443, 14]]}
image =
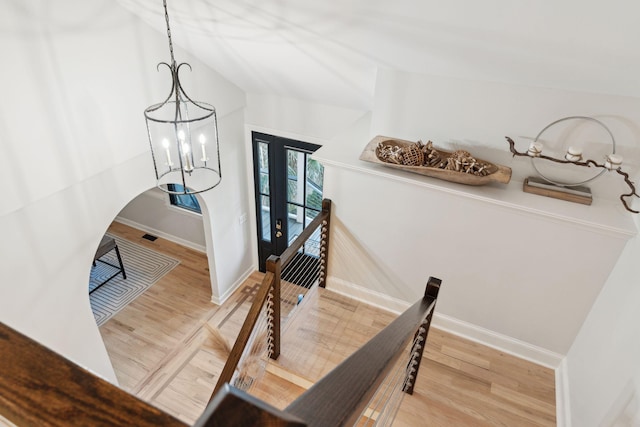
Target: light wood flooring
{"points": [[162, 353]]}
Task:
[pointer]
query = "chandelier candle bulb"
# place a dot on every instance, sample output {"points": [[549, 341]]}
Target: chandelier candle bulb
{"points": [[165, 144], [574, 154], [535, 149], [613, 161], [203, 141], [187, 158]]}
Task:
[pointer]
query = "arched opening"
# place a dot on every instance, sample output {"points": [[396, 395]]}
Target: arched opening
{"points": [[168, 286]]}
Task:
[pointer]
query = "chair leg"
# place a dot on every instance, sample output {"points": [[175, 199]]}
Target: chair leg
{"points": [[124, 275]]}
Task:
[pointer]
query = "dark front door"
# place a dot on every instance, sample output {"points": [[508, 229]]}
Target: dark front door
{"points": [[288, 187]]}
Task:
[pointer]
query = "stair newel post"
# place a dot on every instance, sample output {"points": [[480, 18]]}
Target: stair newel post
{"points": [[324, 242], [420, 339], [274, 265]]}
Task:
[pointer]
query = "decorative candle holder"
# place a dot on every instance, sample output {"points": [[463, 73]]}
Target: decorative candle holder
{"points": [[535, 149], [572, 191], [574, 154], [613, 162]]}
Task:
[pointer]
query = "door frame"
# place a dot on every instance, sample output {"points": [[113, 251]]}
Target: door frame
{"points": [[278, 180], [248, 139]]}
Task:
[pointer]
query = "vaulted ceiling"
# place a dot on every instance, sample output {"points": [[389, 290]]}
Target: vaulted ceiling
{"points": [[329, 51]]}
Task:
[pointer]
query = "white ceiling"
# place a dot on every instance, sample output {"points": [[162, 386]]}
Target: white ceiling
{"points": [[328, 51]]}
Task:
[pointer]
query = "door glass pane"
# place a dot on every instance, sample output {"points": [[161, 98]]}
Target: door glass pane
{"points": [[310, 215], [263, 160], [265, 212], [315, 176], [295, 176], [312, 246], [295, 221]]}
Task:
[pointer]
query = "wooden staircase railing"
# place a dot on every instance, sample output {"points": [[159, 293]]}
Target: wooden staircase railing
{"points": [[340, 397], [245, 333], [40, 388], [269, 292]]}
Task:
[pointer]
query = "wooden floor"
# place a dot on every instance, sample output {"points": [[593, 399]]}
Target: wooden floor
{"points": [[162, 353]]}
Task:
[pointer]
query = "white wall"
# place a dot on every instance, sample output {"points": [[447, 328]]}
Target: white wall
{"points": [[226, 205], [296, 118], [151, 212], [478, 115], [603, 365], [521, 269], [75, 152]]}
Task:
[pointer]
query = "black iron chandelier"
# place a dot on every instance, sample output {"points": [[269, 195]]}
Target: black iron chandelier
{"points": [[183, 134]]}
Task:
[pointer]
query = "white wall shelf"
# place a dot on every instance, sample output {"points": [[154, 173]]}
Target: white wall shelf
{"points": [[604, 215]]}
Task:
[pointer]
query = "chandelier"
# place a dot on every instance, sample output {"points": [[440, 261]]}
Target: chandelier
{"points": [[183, 134]]}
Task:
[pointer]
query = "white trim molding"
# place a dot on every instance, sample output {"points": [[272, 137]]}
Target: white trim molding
{"points": [[220, 300], [162, 234], [376, 299], [563, 402], [498, 341], [452, 325]]}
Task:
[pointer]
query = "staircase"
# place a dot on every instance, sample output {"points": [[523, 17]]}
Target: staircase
{"points": [[326, 328], [320, 332]]}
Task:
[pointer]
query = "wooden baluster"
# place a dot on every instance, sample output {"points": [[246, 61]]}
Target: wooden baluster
{"points": [[324, 242], [420, 339], [274, 265]]}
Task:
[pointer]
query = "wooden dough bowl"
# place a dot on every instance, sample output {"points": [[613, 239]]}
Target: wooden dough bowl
{"points": [[501, 174]]}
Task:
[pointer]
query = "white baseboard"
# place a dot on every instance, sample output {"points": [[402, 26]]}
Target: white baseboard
{"points": [[377, 299], [563, 403], [220, 300], [452, 325], [498, 341], [162, 234]]}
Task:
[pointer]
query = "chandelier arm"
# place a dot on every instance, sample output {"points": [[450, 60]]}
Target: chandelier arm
{"points": [[184, 93], [163, 103]]}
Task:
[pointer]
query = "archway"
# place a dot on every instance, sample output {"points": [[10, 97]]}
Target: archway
{"points": [[152, 320]]}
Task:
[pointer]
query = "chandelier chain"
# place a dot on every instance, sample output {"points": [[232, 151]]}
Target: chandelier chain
{"points": [[166, 18]]}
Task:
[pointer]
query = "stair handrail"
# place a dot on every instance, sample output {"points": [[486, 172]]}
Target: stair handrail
{"points": [[39, 387], [323, 220], [340, 397], [271, 286], [245, 332]]}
